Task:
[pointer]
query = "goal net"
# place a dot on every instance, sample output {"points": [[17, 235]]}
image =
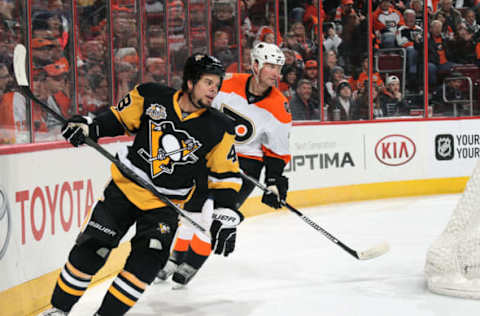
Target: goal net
{"points": [[453, 261]]}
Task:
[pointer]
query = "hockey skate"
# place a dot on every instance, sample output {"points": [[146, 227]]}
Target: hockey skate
{"points": [[166, 272], [53, 312], [182, 276]]}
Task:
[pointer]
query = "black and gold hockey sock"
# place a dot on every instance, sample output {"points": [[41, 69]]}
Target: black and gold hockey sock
{"points": [[71, 284], [124, 292]]}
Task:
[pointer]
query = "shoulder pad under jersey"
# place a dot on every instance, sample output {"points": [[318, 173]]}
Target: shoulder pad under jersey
{"points": [[152, 89]]}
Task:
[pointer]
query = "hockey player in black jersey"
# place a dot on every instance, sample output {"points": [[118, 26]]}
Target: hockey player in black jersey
{"points": [[178, 138], [263, 123]]}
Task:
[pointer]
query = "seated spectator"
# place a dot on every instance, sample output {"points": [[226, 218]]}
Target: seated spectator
{"points": [[294, 59], [363, 76], [464, 46], [337, 76], [471, 21], [386, 20], [223, 18], [13, 111], [301, 105], [221, 48], [310, 17], [56, 84], [265, 34], [245, 64], [41, 52], [409, 36], [447, 31], [377, 108], [311, 74], [452, 15], [289, 81], [330, 62], [453, 92], [438, 56], [361, 101], [342, 107], [391, 99], [331, 40], [417, 6], [305, 46], [156, 70]]}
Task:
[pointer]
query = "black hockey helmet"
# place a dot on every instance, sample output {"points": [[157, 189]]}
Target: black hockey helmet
{"points": [[199, 64]]}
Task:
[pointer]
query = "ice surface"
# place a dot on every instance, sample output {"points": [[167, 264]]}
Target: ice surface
{"points": [[283, 267]]}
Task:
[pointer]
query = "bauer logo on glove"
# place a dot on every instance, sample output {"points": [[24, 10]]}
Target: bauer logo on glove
{"points": [[227, 216], [223, 230]]}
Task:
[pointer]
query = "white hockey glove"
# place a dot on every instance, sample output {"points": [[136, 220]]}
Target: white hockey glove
{"points": [[224, 230], [78, 127]]}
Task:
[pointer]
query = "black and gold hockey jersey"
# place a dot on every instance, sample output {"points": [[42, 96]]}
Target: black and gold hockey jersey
{"points": [[170, 150]]}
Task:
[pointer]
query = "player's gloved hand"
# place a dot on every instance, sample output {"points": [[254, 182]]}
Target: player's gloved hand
{"points": [[278, 188], [78, 127], [224, 230]]}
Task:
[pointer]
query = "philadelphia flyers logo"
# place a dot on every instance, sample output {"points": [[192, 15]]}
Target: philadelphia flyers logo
{"points": [[169, 147], [244, 128]]}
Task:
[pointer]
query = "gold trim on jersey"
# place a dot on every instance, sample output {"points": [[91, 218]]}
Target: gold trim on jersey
{"points": [[178, 110], [217, 162], [129, 111], [142, 198]]}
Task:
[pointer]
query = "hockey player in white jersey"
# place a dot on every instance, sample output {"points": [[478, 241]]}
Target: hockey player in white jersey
{"points": [[262, 127]]}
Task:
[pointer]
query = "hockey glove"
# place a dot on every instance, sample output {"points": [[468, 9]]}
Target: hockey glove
{"points": [[224, 230], [78, 127], [277, 191]]}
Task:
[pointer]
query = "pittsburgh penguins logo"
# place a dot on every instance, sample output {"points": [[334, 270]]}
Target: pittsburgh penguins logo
{"points": [[169, 147]]}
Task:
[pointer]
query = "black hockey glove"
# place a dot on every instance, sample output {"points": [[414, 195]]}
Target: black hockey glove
{"points": [[277, 191], [78, 127], [224, 230]]}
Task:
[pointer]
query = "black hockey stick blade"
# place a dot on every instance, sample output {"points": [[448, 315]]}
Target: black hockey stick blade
{"points": [[19, 59], [370, 253]]}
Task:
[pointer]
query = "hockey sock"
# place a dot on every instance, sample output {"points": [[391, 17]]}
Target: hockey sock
{"points": [[124, 292], [195, 257], [179, 250], [71, 284]]}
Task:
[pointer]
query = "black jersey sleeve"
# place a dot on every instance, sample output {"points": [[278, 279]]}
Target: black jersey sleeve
{"points": [[108, 124]]}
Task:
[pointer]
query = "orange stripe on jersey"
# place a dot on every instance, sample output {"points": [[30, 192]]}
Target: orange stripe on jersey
{"points": [[235, 83], [181, 244], [134, 280], [276, 103], [122, 298], [200, 247], [268, 152]]}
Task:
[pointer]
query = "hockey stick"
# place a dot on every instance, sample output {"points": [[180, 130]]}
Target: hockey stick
{"points": [[371, 253], [19, 58]]}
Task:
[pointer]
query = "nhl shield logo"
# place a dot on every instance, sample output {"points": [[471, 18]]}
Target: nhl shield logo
{"points": [[169, 147], [444, 147], [157, 111]]}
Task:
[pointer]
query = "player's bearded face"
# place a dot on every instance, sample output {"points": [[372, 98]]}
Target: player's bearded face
{"points": [[205, 90]]}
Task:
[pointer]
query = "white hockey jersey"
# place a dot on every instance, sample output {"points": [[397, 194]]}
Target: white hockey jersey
{"points": [[262, 125]]}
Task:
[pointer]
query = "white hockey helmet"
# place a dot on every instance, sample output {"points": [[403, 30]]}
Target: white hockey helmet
{"points": [[267, 53]]}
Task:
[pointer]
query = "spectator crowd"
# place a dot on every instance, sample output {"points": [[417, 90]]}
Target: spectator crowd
{"points": [[85, 64]]}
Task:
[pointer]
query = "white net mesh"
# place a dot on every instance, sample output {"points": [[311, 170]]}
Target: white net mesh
{"points": [[453, 261]]}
